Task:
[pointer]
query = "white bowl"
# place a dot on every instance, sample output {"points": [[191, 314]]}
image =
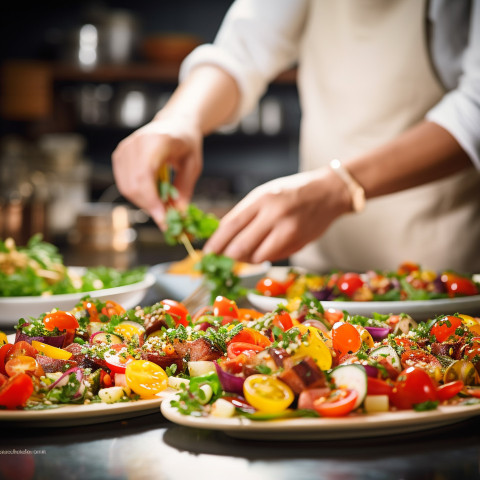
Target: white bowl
{"points": [[178, 287], [14, 308]]}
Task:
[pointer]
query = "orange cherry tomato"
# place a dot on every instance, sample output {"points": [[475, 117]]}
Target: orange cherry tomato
{"points": [[445, 327], [23, 364], [345, 338], [271, 287], [61, 320], [177, 311], [249, 335], [112, 308], [91, 310], [338, 403], [333, 316], [16, 391], [224, 307], [236, 348], [407, 267], [247, 314]]}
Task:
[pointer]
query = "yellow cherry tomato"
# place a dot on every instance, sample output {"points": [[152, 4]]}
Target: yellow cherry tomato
{"points": [[267, 394], [313, 345], [3, 338], [146, 378], [128, 329], [52, 352]]}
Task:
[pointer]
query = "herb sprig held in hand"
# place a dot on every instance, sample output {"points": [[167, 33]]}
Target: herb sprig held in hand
{"points": [[193, 222]]}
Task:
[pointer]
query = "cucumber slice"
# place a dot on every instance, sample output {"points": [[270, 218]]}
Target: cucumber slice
{"points": [[353, 377], [387, 351]]}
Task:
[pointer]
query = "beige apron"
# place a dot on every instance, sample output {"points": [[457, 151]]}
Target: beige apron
{"points": [[365, 76]]}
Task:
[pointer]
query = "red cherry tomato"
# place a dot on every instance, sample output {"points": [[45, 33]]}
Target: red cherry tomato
{"points": [[283, 320], [449, 390], [61, 320], [345, 338], [4, 351], [458, 285], [177, 311], [338, 403], [445, 327], [420, 358], [3, 379], [271, 287], [413, 386], [376, 386], [21, 348], [349, 283], [236, 348], [224, 307], [16, 391]]}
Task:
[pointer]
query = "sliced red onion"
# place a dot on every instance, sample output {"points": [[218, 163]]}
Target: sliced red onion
{"points": [[230, 383], [55, 341], [311, 322], [323, 294], [63, 380], [378, 333], [371, 371]]}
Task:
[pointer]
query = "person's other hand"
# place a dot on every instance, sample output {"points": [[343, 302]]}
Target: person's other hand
{"points": [[280, 217], [138, 158]]}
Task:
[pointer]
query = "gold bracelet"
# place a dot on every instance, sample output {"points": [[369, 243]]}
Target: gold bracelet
{"points": [[356, 190]]}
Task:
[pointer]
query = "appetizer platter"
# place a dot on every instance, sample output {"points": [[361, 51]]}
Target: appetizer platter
{"points": [[411, 289], [33, 280], [300, 373]]}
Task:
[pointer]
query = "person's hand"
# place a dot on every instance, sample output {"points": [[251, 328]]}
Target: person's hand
{"points": [[138, 158], [280, 217]]}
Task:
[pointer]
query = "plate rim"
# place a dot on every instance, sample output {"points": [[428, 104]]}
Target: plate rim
{"points": [[404, 419]]}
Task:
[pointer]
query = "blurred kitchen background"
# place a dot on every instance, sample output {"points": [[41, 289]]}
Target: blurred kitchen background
{"points": [[78, 77]]}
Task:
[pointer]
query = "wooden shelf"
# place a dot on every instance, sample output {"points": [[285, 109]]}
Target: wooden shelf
{"points": [[27, 86]]}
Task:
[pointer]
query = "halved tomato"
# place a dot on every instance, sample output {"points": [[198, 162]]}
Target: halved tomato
{"points": [[61, 320], [117, 362], [267, 394], [146, 378], [16, 391], [338, 403], [23, 364]]}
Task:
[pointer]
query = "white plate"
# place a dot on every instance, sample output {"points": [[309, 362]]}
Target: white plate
{"points": [[178, 287], [70, 415], [14, 308], [371, 425], [418, 309]]}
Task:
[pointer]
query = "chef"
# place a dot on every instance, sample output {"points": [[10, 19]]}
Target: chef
{"points": [[390, 132]]}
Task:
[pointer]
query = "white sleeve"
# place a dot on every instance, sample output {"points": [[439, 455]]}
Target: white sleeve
{"points": [[459, 110], [257, 40]]}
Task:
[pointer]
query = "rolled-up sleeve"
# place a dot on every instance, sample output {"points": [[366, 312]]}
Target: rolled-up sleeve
{"points": [[256, 41], [459, 110]]}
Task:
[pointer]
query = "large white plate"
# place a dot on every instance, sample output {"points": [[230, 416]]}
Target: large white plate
{"points": [[372, 425], [418, 309], [70, 415], [14, 308], [179, 287]]}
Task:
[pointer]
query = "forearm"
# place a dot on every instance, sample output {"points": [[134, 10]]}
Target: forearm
{"points": [[424, 153], [209, 98]]}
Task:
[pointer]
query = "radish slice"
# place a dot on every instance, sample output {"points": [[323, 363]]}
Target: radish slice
{"points": [[104, 337]]}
